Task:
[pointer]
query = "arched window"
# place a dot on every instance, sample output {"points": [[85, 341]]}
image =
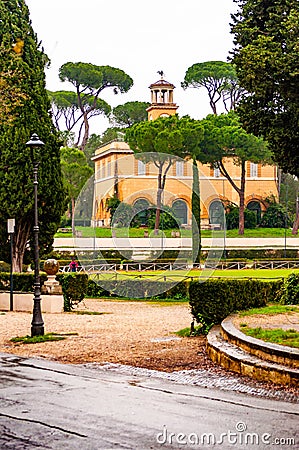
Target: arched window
{"points": [[180, 210], [256, 208], [141, 205], [216, 213]]}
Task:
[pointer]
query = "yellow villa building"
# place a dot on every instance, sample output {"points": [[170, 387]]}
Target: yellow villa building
{"points": [[117, 170]]}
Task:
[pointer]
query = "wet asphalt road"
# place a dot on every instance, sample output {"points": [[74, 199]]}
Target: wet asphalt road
{"points": [[46, 405]]}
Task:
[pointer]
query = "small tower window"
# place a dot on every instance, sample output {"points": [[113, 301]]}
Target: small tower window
{"points": [[216, 172], [141, 168], [253, 170], [179, 168]]}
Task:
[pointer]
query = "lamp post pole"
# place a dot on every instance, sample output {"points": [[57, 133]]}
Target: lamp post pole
{"points": [[37, 324], [11, 230]]}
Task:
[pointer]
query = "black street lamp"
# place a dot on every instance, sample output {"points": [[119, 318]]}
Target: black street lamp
{"points": [[37, 324], [11, 230]]}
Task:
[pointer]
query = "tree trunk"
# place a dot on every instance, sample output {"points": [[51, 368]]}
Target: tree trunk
{"points": [[296, 221], [159, 200], [158, 210], [21, 237], [196, 234], [86, 133], [242, 199], [73, 215]]}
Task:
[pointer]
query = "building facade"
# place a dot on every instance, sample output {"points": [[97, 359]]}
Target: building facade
{"points": [[119, 173]]}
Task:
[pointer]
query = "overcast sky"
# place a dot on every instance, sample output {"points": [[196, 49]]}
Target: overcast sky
{"points": [[138, 37]]}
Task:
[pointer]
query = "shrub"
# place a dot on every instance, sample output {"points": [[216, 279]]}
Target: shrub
{"points": [[214, 300], [276, 217], [74, 288], [22, 282], [232, 219], [4, 266], [138, 289], [290, 290]]}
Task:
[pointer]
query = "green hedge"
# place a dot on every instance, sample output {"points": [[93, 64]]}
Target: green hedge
{"points": [[74, 285], [138, 289], [74, 288], [214, 300], [290, 290], [22, 282]]}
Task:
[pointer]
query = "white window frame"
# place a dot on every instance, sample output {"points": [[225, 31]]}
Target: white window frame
{"points": [[179, 168], [217, 172], [140, 167], [253, 170]]}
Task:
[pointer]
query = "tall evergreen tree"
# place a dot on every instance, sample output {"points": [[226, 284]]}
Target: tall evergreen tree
{"points": [[20, 50], [266, 36]]}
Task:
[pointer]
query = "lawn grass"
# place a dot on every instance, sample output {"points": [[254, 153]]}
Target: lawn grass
{"points": [[270, 310], [42, 338], [105, 232], [277, 335], [180, 275]]}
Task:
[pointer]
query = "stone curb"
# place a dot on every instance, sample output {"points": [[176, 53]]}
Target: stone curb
{"points": [[234, 358], [280, 354]]}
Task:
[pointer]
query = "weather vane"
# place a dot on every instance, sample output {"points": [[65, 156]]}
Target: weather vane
{"points": [[161, 73]]}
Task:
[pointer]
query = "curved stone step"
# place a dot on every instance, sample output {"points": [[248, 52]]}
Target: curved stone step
{"points": [[268, 351], [236, 359]]}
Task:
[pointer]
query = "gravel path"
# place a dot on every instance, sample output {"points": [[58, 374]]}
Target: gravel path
{"points": [[131, 335]]}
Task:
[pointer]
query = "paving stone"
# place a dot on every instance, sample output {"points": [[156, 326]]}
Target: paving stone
{"points": [[207, 379]]}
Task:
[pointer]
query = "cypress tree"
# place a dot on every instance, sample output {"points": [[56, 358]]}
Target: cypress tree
{"points": [[195, 201], [21, 54]]}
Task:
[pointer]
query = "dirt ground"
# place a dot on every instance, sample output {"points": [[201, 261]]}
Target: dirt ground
{"points": [[133, 333], [285, 321]]}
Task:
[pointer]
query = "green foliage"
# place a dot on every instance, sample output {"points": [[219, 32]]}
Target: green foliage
{"points": [[76, 172], [22, 282], [219, 79], [38, 339], [16, 166], [123, 214], [89, 81], [162, 141], [94, 142], [276, 216], [129, 113], [67, 105], [232, 218], [225, 137], [168, 220], [277, 335], [140, 289], [75, 169], [213, 300], [290, 290], [74, 288], [4, 266], [269, 310], [266, 59], [111, 134]]}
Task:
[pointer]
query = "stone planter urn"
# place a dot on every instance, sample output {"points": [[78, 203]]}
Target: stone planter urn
{"points": [[51, 286]]}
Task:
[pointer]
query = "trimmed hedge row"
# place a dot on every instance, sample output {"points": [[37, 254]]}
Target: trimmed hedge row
{"points": [[22, 282], [214, 300], [138, 289], [74, 285]]}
